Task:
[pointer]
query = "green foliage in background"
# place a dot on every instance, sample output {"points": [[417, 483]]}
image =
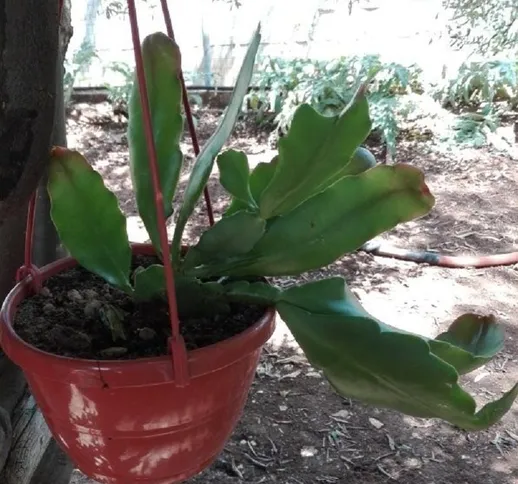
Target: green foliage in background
{"points": [[481, 92], [77, 65], [480, 82], [120, 92], [328, 86], [484, 26]]}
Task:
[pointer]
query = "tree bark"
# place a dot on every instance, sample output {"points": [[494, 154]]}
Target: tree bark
{"points": [[46, 239], [54, 467], [28, 50], [28, 62], [12, 383]]}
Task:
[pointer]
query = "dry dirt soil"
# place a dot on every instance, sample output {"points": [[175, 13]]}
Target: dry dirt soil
{"points": [[295, 428]]}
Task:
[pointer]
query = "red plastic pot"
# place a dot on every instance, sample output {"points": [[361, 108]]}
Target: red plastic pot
{"points": [[126, 422]]}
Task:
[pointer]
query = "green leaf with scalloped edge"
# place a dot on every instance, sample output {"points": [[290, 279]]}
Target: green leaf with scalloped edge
{"points": [[252, 292], [194, 298], [366, 359], [480, 335], [259, 179], [332, 223], [234, 176], [198, 299], [314, 153], [88, 218], [205, 160], [229, 237], [470, 342], [149, 282], [162, 63]]}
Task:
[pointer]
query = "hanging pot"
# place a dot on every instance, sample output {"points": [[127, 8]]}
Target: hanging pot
{"points": [[125, 422]]}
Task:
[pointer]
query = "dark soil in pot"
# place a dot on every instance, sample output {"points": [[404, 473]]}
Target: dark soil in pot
{"points": [[70, 318]]}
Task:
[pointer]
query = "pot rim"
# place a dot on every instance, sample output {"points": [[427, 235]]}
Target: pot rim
{"points": [[200, 361]]}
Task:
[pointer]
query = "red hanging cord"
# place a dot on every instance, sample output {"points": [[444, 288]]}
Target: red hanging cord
{"points": [[187, 109], [28, 268], [178, 350]]}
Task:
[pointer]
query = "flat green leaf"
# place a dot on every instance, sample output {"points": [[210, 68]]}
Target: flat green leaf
{"points": [[334, 222], [313, 153], [259, 179], [231, 236], [470, 342], [461, 360], [252, 292], [194, 298], [234, 176], [198, 300], [88, 219], [149, 282], [480, 335], [366, 359], [204, 163], [162, 63]]}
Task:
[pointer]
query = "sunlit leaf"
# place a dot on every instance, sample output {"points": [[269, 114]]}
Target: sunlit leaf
{"points": [[205, 160], [338, 220], [313, 153], [88, 219], [162, 63]]}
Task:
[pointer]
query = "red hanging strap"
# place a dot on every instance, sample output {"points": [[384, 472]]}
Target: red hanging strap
{"points": [[187, 109], [28, 268], [177, 344]]}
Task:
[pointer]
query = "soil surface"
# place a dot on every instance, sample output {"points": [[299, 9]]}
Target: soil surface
{"points": [[77, 314], [295, 428]]}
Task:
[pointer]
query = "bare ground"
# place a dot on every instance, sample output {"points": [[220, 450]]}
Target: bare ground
{"points": [[295, 428]]}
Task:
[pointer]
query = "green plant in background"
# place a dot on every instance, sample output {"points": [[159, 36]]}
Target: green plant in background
{"points": [[473, 128], [119, 94], [481, 92], [478, 83], [283, 85], [81, 60], [315, 201]]}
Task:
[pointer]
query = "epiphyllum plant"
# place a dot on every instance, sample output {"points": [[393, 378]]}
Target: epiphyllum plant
{"points": [[310, 205]]}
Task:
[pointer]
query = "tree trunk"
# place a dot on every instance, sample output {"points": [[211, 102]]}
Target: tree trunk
{"points": [[54, 465], [12, 383], [46, 239], [28, 63], [28, 50]]}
